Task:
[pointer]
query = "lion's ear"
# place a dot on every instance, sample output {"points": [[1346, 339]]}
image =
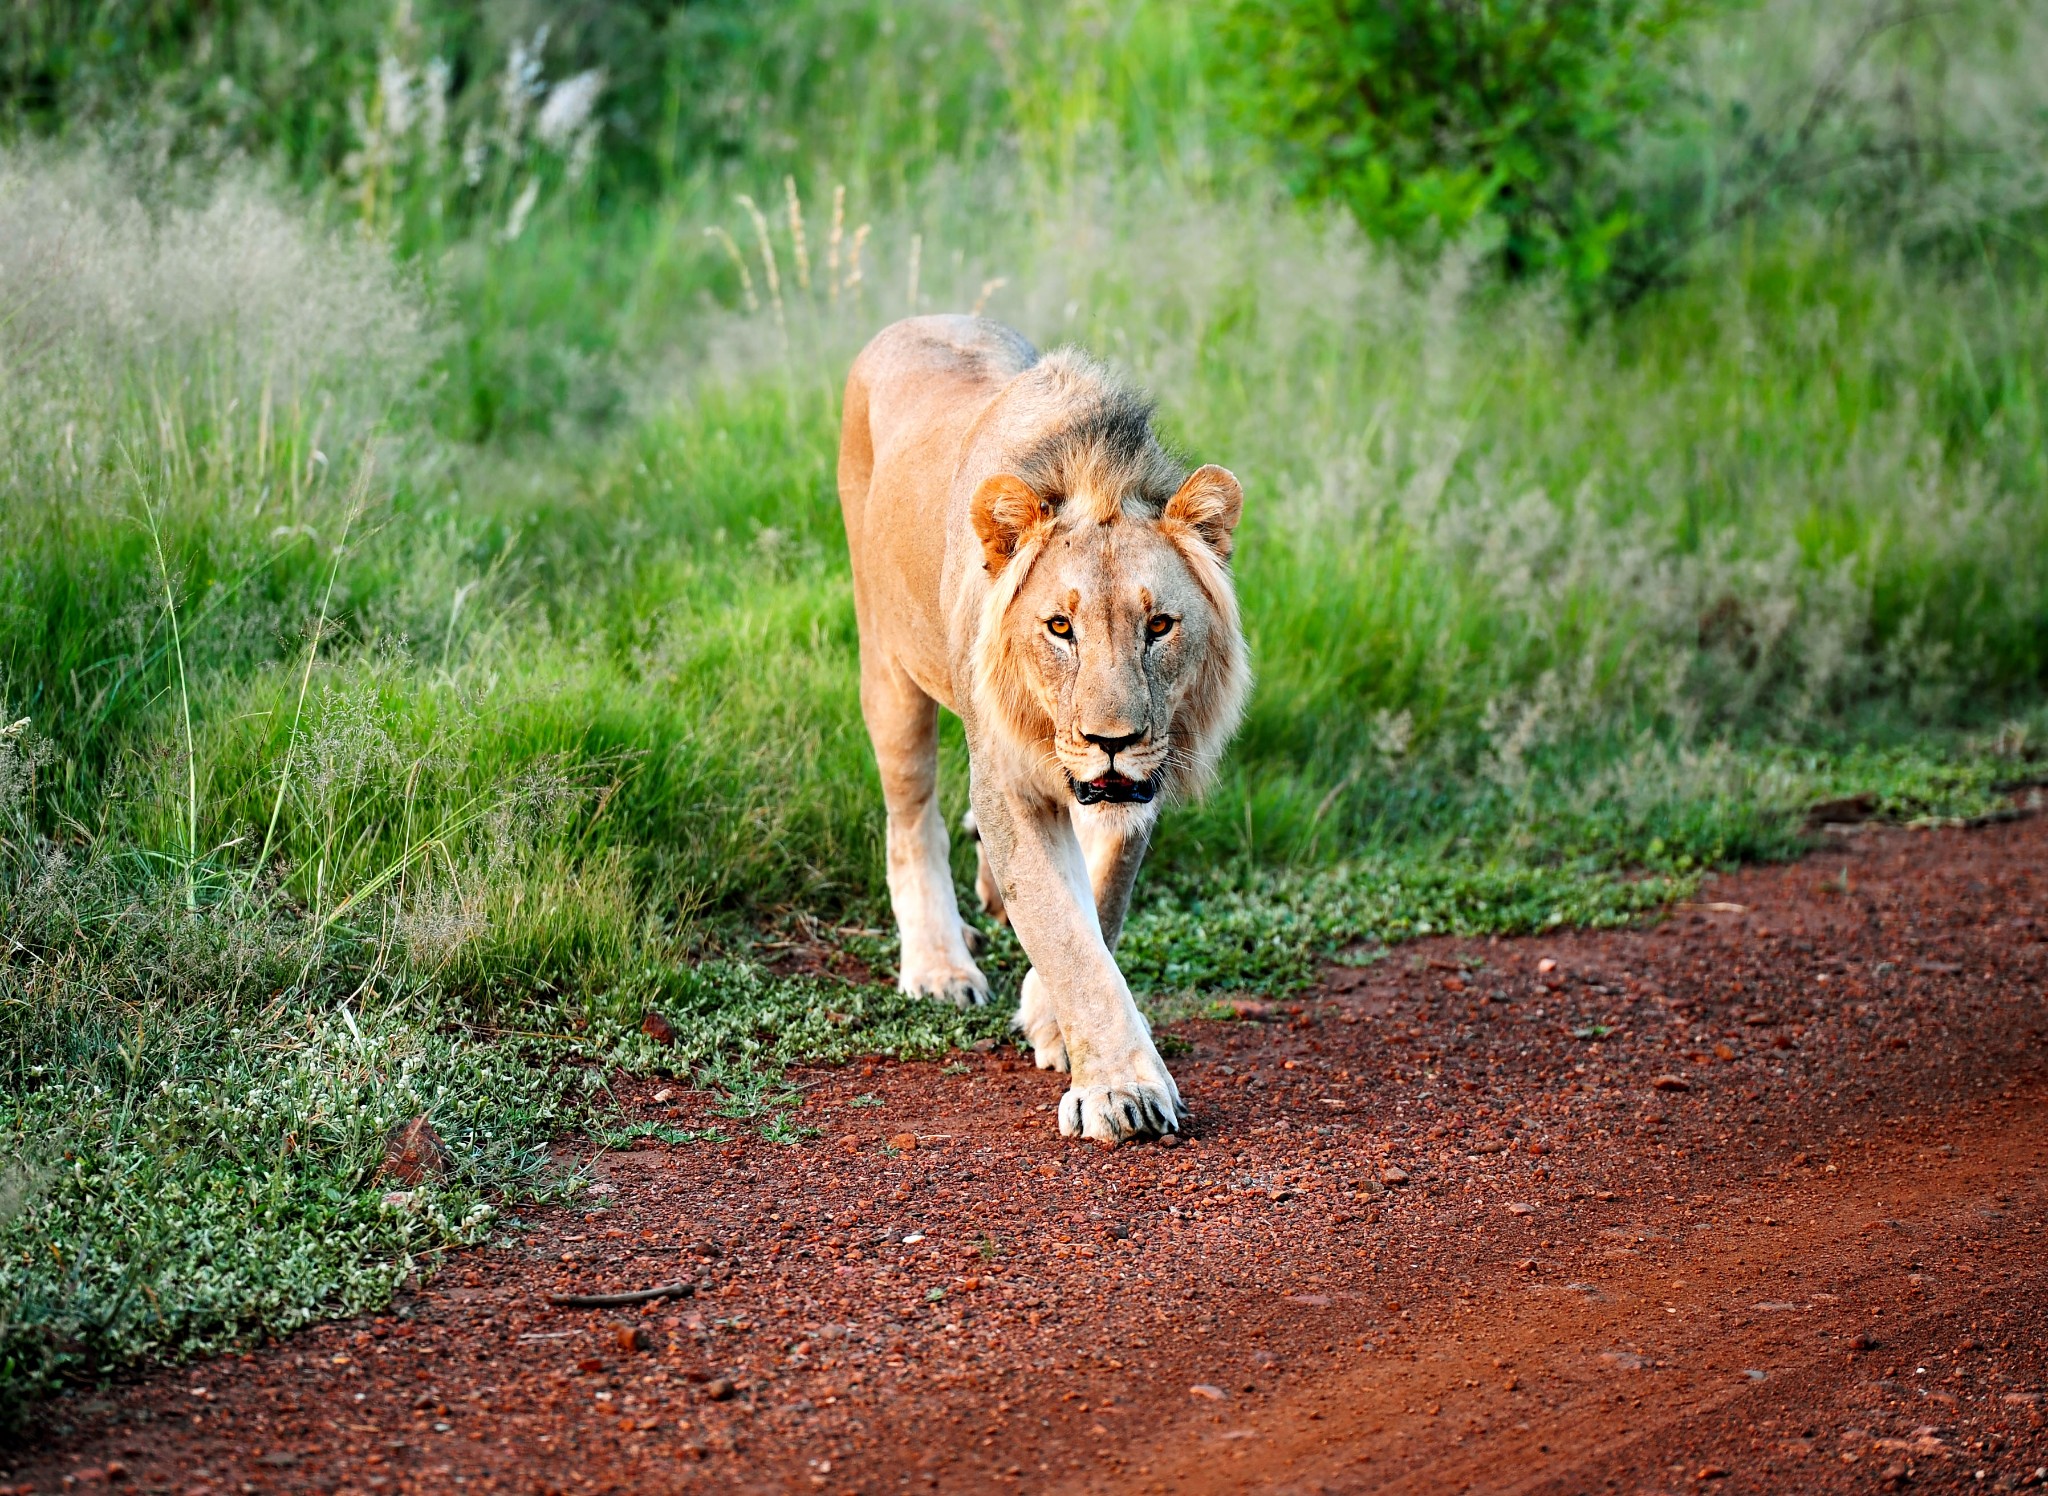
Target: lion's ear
{"points": [[1004, 508], [1209, 503]]}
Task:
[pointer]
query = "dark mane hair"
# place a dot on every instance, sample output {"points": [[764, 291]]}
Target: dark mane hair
{"points": [[1108, 456]]}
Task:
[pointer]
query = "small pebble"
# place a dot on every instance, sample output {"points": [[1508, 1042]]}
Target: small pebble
{"points": [[414, 1151]]}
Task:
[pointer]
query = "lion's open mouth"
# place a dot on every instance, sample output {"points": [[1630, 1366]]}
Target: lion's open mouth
{"points": [[1113, 789]]}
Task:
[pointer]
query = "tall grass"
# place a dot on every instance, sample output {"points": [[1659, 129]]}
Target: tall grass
{"points": [[425, 637]]}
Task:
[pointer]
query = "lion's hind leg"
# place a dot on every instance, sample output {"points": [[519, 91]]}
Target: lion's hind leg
{"points": [[903, 724], [1040, 1025]]}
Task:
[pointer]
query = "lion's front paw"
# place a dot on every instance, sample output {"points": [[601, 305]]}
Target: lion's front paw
{"points": [[956, 981], [1114, 1105], [1039, 1025]]}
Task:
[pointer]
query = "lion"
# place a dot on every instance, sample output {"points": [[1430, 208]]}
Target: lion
{"points": [[1028, 556]]}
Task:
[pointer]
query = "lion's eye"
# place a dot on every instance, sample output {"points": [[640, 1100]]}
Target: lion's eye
{"points": [[1160, 626], [1061, 629]]}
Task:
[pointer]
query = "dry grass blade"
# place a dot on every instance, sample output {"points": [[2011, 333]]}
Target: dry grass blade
{"points": [[739, 263], [799, 252]]}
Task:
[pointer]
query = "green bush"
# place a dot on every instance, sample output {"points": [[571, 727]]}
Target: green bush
{"points": [[1427, 118]]}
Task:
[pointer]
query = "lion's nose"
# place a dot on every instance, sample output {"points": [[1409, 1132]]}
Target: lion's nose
{"points": [[1112, 745]]}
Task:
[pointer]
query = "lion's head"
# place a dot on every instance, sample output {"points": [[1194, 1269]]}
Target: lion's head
{"points": [[1109, 650]]}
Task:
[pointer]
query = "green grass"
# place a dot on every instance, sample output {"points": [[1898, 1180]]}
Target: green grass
{"points": [[437, 650]]}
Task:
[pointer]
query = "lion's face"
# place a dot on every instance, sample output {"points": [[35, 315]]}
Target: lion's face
{"points": [[1109, 625], [1116, 652]]}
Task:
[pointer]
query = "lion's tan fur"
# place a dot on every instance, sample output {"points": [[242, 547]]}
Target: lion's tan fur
{"points": [[1003, 691], [987, 489], [1083, 440]]}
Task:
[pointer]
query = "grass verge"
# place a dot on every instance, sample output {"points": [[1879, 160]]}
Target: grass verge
{"points": [[351, 773]]}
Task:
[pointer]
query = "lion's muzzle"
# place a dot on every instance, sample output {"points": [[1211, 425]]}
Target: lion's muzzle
{"points": [[1113, 789]]}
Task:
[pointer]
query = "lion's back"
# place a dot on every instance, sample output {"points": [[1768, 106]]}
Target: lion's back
{"points": [[912, 397], [925, 375], [973, 351]]}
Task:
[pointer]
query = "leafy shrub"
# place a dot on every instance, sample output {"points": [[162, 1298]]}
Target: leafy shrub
{"points": [[1428, 117], [1917, 127]]}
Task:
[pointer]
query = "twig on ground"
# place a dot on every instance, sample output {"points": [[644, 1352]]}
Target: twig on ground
{"points": [[617, 1300]]}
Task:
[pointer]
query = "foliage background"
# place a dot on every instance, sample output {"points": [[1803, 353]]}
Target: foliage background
{"points": [[424, 634]]}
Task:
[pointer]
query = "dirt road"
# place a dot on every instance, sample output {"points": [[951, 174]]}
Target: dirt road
{"points": [[1753, 1200]]}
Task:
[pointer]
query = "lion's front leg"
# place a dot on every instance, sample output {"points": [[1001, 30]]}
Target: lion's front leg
{"points": [[985, 888], [1120, 1088], [1113, 841], [903, 723]]}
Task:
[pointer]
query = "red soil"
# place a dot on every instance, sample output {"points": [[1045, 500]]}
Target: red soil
{"points": [[1815, 1263]]}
